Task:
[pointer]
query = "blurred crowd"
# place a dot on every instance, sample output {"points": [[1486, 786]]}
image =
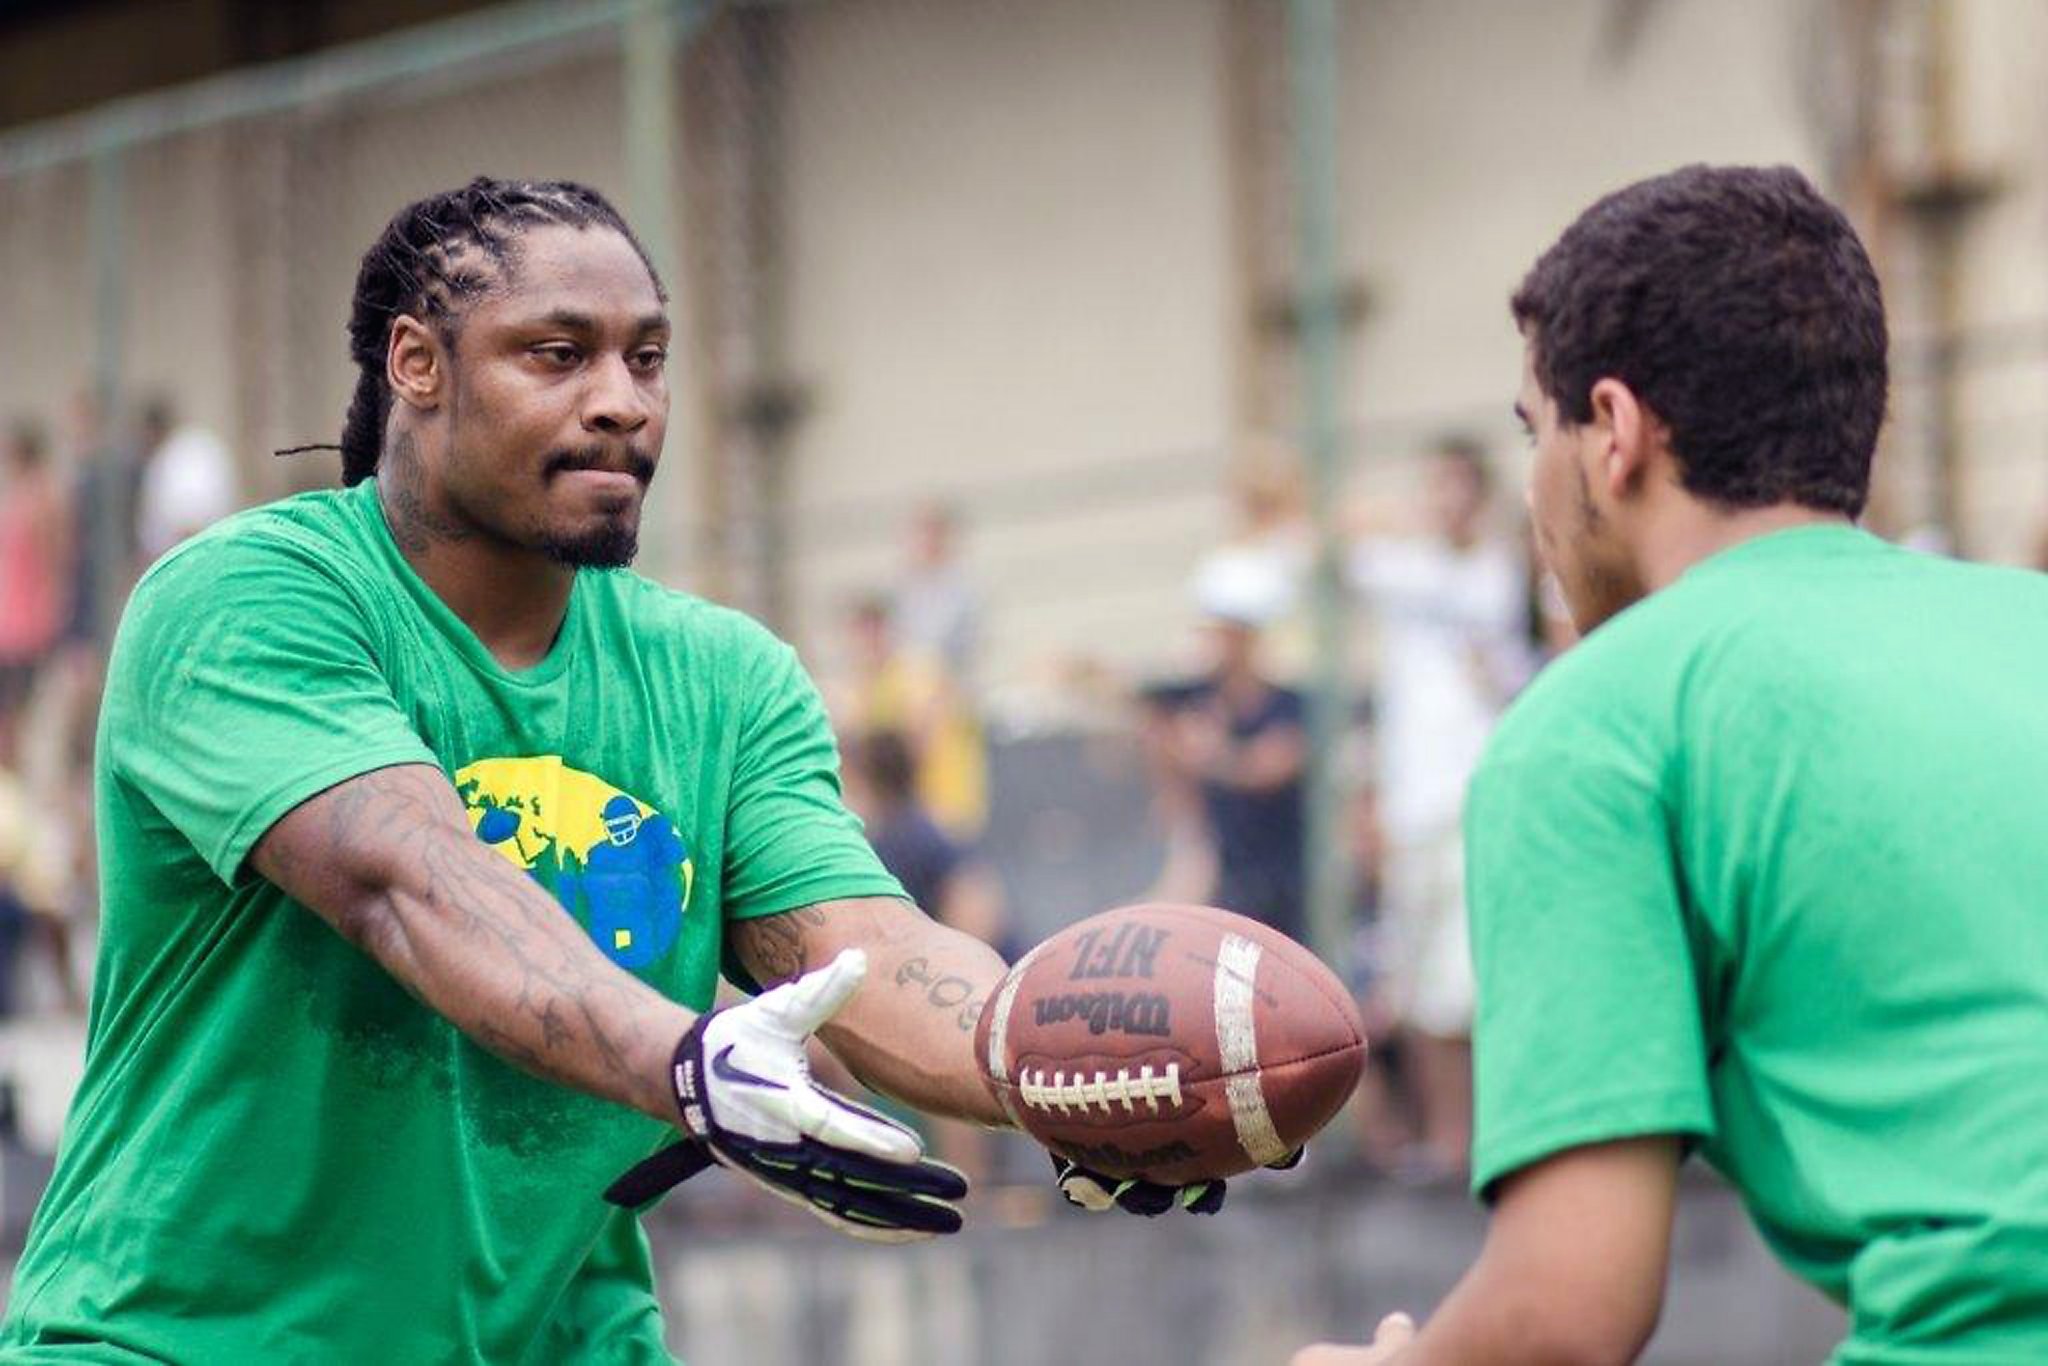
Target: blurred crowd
{"points": [[1450, 623], [1453, 624], [1451, 619], [82, 510]]}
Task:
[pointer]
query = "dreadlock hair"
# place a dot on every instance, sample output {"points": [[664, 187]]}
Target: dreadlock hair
{"points": [[432, 257]]}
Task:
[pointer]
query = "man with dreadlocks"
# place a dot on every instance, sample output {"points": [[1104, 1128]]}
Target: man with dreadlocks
{"points": [[542, 800]]}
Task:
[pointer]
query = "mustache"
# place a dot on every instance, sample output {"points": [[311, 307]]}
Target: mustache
{"points": [[636, 462]]}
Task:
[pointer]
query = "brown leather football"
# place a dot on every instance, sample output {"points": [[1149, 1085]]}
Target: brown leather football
{"points": [[1174, 1043]]}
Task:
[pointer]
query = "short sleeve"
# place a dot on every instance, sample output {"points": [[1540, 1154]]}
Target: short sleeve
{"points": [[789, 839], [243, 682], [1588, 1026]]}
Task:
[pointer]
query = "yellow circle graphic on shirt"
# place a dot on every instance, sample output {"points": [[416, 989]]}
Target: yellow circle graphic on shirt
{"points": [[612, 861]]}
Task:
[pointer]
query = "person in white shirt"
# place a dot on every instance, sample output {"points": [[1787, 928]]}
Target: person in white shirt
{"points": [[1451, 607], [188, 483], [936, 607]]}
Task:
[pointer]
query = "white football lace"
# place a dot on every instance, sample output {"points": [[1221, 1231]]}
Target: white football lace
{"points": [[1084, 1090]]}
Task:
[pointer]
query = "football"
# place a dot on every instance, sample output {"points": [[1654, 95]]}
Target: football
{"points": [[1172, 1043]]}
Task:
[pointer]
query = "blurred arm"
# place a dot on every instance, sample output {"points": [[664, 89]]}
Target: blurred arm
{"points": [[972, 902], [909, 1030], [389, 860], [1266, 762], [1270, 760], [1572, 1272]]}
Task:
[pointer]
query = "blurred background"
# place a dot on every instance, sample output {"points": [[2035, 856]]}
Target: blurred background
{"points": [[1110, 398]]}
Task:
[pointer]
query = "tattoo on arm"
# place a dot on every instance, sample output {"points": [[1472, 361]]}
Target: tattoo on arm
{"points": [[470, 934], [943, 991], [773, 947]]}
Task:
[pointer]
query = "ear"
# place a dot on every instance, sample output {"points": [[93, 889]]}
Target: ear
{"points": [[415, 363], [1626, 432]]}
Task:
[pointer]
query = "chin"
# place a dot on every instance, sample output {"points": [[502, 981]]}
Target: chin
{"points": [[604, 543]]}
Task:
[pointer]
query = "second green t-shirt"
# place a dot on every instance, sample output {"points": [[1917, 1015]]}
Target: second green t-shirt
{"points": [[1764, 861]]}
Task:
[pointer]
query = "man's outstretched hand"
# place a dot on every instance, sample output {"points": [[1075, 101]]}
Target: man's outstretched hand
{"points": [[745, 1096]]}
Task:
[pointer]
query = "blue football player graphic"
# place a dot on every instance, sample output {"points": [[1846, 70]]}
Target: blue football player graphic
{"points": [[617, 865], [632, 884]]}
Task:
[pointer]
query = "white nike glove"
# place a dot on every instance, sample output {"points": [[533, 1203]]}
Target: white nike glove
{"points": [[746, 1097]]}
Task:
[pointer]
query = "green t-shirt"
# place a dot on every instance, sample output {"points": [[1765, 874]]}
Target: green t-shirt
{"points": [[1765, 862], [277, 1154]]}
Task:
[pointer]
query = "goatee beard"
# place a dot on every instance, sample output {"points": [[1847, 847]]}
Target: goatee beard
{"points": [[611, 545]]}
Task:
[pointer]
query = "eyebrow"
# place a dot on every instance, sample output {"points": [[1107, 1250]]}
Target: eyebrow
{"points": [[570, 320]]}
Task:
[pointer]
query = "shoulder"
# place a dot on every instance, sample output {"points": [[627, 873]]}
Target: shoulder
{"points": [[722, 637], [312, 536], [1617, 694], [295, 570], [653, 604]]}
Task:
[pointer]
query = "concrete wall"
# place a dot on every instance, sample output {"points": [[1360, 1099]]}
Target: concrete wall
{"points": [[1022, 285], [1477, 131], [1008, 259], [1032, 1283], [2000, 87]]}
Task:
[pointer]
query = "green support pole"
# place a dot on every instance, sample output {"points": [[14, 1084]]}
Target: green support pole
{"points": [[1312, 70], [107, 236], [651, 43]]}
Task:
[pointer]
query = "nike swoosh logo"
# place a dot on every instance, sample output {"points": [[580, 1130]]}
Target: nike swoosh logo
{"points": [[723, 1069]]}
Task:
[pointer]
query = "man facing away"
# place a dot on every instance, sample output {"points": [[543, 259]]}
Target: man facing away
{"points": [[425, 833], [1758, 869]]}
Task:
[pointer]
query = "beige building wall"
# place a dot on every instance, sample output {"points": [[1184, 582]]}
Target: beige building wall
{"points": [[46, 293], [1999, 86], [1476, 131], [1007, 282], [1008, 261]]}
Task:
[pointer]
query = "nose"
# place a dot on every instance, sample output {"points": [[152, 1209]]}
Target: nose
{"points": [[614, 403]]}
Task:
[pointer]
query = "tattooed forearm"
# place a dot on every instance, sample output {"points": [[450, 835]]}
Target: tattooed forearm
{"points": [[773, 947], [943, 991], [909, 1031], [388, 858]]}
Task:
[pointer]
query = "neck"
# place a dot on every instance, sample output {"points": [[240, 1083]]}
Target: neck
{"points": [[512, 598], [1674, 543]]}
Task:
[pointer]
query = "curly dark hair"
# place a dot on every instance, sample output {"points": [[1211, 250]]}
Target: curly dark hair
{"points": [[432, 257], [1739, 306]]}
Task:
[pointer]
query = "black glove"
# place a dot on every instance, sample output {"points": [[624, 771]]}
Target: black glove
{"points": [[1095, 1192], [745, 1096]]}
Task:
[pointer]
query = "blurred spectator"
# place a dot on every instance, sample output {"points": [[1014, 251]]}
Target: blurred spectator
{"points": [[1188, 871], [30, 884], [893, 689], [936, 607], [1270, 538], [104, 490], [1240, 735], [941, 874], [1452, 612], [35, 557], [188, 481]]}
